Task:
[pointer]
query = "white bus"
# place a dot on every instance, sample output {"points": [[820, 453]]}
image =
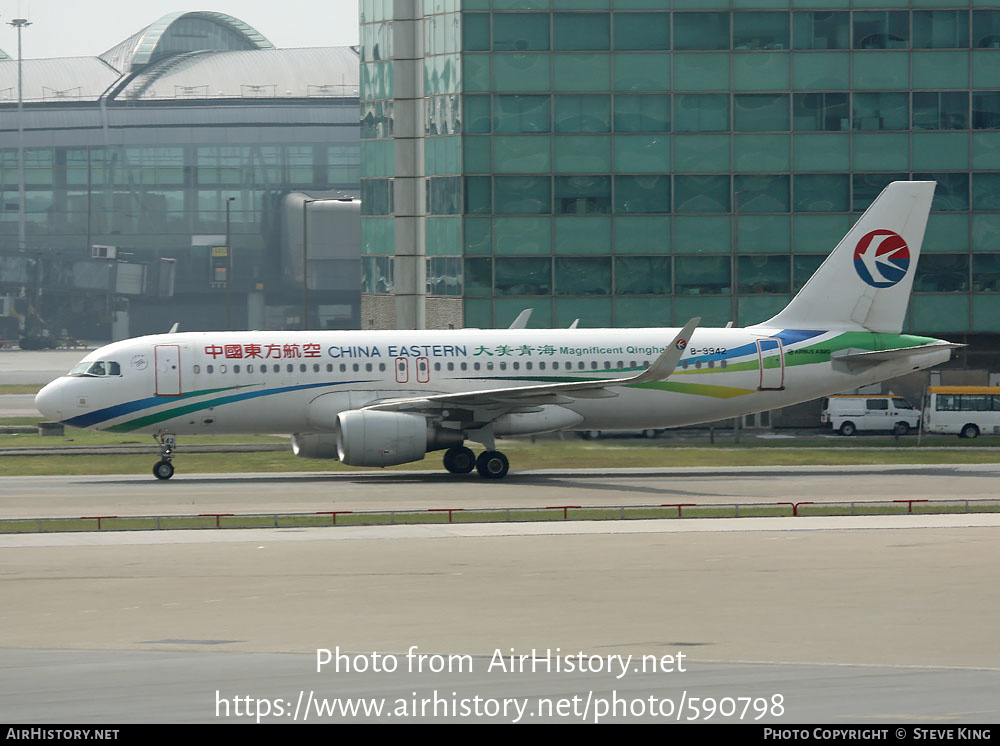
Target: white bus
{"points": [[968, 411]]}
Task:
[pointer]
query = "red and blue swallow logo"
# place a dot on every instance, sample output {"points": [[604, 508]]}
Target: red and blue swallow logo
{"points": [[882, 258]]}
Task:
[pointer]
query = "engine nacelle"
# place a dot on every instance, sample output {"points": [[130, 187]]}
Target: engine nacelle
{"points": [[315, 445], [366, 438]]}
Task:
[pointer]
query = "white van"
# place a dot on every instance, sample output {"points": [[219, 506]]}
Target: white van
{"points": [[848, 413]]}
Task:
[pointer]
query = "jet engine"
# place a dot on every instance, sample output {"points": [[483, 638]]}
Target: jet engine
{"points": [[372, 438], [314, 445]]}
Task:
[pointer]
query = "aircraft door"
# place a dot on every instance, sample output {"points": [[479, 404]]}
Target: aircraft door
{"points": [[402, 370], [168, 370], [423, 370], [771, 355]]}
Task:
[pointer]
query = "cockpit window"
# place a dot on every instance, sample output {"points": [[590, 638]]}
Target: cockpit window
{"points": [[99, 368]]}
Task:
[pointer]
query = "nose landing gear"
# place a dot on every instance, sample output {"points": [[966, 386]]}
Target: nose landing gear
{"points": [[164, 469]]}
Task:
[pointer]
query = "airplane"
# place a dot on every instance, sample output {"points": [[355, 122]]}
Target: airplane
{"points": [[380, 398]]}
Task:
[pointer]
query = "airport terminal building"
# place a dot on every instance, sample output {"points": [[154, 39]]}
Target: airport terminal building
{"points": [[641, 162], [140, 154]]}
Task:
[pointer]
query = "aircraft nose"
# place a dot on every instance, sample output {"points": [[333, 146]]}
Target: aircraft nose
{"points": [[50, 401]]}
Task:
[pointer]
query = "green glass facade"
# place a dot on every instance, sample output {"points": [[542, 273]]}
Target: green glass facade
{"points": [[637, 162]]}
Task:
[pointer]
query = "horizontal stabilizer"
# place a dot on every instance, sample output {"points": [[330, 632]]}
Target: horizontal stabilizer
{"points": [[880, 356]]}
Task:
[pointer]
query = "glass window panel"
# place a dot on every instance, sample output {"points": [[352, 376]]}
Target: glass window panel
{"points": [[821, 29], [701, 194], [881, 29], [941, 29], [478, 236], [762, 273], [476, 154], [706, 112], [888, 70], [582, 154], [933, 110], [632, 311], [942, 273], [986, 110], [642, 153], [520, 32], [475, 32], [986, 29], [478, 195], [701, 30], [578, 276], [818, 233], [881, 111], [476, 72], [642, 194], [986, 151], [582, 72], [986, 273], [444, 195], [761, 153], [821, 111], [702, 275], [583, 235], [763, 234], [947, 231], [882, 151], [754, 71], [762, 193], [642, 31], [477, 113], [822, 193], [523, 276], [522, 195], [760, 30], [582, 195], [702, 234], [478, 277], [581, 31], [478, 313], [760, 112], [642, 235], [701, 153], [940, 69], [868, 186], [520, 72], [642, 72], [582, 113], [522, 236], [521, 113], [951, 193], [519, 154], [649, 113], [804, 266], [986, 191], [702, 72], [821, 70], [642, 275]]}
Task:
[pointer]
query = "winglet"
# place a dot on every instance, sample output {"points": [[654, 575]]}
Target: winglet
{"points": [[665, 364], [174, 328], [522, 319]]}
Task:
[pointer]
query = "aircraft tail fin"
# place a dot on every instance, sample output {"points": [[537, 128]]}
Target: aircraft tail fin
{"points": [[865, 283]]}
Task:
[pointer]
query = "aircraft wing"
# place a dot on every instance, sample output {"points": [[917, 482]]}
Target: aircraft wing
{"points": [[546, 393], [880, 356]]}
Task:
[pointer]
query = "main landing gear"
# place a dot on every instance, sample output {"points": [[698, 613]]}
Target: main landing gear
{"points": [[490, 464], [164, 469]]}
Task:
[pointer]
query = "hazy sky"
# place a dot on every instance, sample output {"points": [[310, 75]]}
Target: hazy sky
{"points": [[73, 28]]}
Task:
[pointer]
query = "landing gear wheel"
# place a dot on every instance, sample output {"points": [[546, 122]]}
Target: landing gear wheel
{"points": [[492, 465], [163, 469], [848, 429], [901, 428], [459, 460]]}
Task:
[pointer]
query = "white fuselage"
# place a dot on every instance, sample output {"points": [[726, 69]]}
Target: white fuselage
{"points": [[253, 382]]}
